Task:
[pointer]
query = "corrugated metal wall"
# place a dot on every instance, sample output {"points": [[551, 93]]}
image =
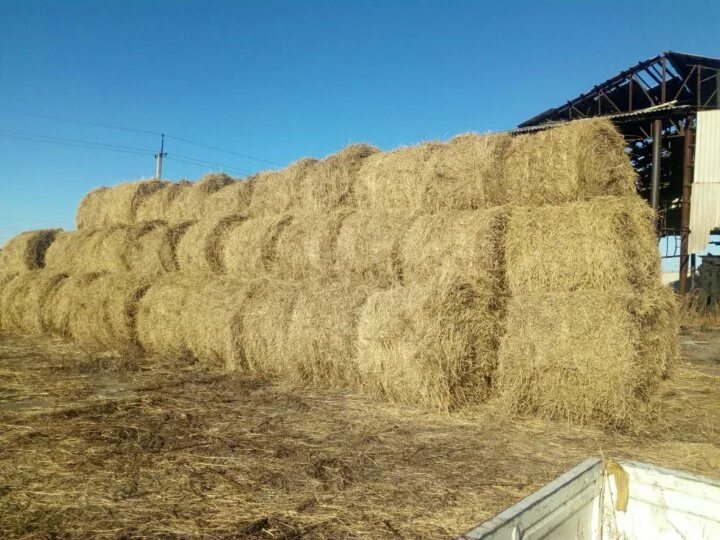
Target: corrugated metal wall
{"points": [[705, 201]]}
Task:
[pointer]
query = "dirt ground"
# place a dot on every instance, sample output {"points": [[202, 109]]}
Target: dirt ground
{"points": [[114, 446]]}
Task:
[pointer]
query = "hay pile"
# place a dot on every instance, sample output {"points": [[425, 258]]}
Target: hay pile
{"points": [[519, 269]]}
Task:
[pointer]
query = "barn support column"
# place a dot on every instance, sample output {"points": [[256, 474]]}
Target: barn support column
{"points": [[656, 144], [688, 155]]}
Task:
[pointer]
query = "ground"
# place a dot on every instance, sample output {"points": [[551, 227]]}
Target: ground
{"points": [[115, 446]]}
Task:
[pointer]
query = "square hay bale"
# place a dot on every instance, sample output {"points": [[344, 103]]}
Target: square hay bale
{"points": [[432, 176], [368, 244], [330, 183], [250, 250], [602, 243], [276, 192], [27, 250], [322, 333], [98, 310], [23, 298], [156, 205], [117, 205], [575, 161], [147, 249], [581, 356], [466, 244], [192, 316], [432, 344], [263, 327], [305, 248], [189, 203], [201, 247], [231, 199]]}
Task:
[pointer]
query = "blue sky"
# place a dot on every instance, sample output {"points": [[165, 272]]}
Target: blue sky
{"points": [[280, 80]]}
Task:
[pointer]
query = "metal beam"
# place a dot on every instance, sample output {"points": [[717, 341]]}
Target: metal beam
{"points": [[657, 142], [688, 154]]}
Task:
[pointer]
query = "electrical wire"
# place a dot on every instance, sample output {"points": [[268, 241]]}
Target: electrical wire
{"points": [[200, 163], [80, 122], [68, 139], [246, 156], [134, 130], [77, 145]]}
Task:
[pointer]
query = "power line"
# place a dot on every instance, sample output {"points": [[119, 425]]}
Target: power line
{"points": [[68, 139], [200, 163], [77, 145], [81, 122], [246, 156], [134, 130]]}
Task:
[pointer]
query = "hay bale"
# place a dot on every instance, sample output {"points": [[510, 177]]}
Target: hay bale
{"points": [[189, 203], [467, 244], [657, 311], [147, 249], [367, 246], [182, 316], [263, 327], [275, 192], [322, 333], [330, 183], [156, 205], [27, 250], [579, 356], [305, 247], [98, 250], [201, 248], [599, 244], [105, 207], [250, 249], [575, 161], [23, 299], [97, 310], [432, 344], [432, 176], [230, 200]]}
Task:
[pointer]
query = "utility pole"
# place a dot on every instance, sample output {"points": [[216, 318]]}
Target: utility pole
{"points": [[159, 157]]}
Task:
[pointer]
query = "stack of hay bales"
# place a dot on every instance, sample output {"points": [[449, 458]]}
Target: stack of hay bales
{"points": [[517, 268]]}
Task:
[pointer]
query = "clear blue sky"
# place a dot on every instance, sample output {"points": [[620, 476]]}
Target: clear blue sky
{"points": [[281, 80]]}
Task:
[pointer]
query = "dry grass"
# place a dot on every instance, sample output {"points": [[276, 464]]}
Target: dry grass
{"points": [[112, 446], [117, 205], [585, 356], [575, 161], [27, 250], [432, 344], [597, 244]]}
